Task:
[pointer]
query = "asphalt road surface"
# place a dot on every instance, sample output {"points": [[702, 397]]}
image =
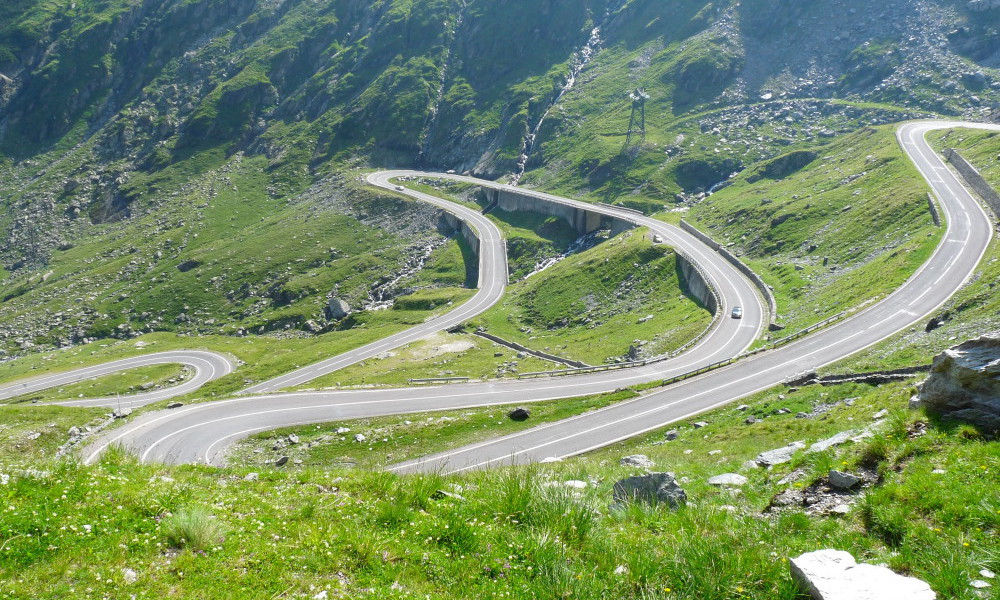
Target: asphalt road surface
{"points": [[200, 433], [207, 366], [492, 283], [731, 284]]}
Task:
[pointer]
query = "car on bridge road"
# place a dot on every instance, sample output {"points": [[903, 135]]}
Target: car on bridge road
{"points": [[738, 312]]}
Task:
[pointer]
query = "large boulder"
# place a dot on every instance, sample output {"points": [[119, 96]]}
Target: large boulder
{"points": [[965, 383], [654, 488], [835, 575], [337, 308]]}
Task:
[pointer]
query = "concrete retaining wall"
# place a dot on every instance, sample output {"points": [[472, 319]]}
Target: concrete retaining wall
{"points": [[935, 215], [584, 221], [736, 262], [974, 179], [697, 285], [450, 222]]}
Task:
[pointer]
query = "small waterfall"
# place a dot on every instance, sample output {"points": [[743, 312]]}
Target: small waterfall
{"points": [[580, 60]]}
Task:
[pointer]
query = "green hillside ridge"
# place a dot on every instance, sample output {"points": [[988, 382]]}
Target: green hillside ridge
{"points": [[188, 174], [113, 107], [975, 309], [124, 384], [829, 229], [595, 305]]}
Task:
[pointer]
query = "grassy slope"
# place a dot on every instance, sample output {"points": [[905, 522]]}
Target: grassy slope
{"points": [[264, 356], [975, 309], [860, 203], [260, 262], [373, 534], [588, 306], [398, 439], [124, 383], [443, 355]]}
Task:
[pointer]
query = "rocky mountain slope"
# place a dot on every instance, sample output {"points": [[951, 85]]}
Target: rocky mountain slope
{"points": [[118, 114]]}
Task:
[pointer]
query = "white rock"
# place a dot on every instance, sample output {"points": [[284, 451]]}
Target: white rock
{"points": [[551, 459], [343, 430], [843, 481], [979, 584], [987, 574], [252, 477], [575, 484], [880, 414], [359, 437], [621, 570], [835, 575], [637, 460], [714, 452], [779, 455], [841, 438], [727, 479]]}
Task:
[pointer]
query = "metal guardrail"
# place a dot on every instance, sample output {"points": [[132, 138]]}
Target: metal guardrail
{"points": [[439, 380]]}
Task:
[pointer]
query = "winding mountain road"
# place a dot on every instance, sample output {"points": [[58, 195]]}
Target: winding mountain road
{"points": [[207, 366], [200, 433]]}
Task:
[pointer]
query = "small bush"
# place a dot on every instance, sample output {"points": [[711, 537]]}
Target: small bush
{"points": [[193, 529]]}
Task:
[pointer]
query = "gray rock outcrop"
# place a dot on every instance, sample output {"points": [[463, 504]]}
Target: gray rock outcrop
{"points": [[728, 480], [835, 575], [637, 460], [337, 308], [779, 456], [965, 383], [843, 481], [655, 488]]}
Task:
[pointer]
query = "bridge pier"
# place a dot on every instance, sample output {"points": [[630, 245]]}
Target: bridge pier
{"points": [[582, 220]]}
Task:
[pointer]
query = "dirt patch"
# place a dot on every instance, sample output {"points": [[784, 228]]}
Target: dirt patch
{"points": [[441, 345]]}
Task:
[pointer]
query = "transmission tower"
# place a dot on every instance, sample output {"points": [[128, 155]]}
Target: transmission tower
{"points": [[637, 123]]}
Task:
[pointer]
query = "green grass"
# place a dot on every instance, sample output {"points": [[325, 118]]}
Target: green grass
{"points": [[31, 435], [846, 228], [975, 309], [193, 529], [589, 306], [531, 239], [239, 261], [514, 532], [264, 357], [391, 440], [442, 355], [124, 383]]}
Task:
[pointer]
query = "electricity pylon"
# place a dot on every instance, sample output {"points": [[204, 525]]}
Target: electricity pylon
{"points": [[637, 123]]}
